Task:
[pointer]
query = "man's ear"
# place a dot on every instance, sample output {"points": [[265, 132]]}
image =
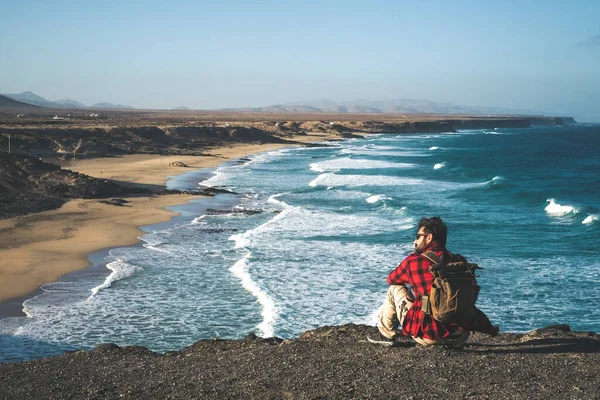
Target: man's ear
{"points": [[429, 238]]}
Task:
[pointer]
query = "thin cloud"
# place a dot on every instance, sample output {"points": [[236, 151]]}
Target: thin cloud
{"points": [[593, 41]]}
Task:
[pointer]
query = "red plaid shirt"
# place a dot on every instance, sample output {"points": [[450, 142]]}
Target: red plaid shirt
{"points": [[414, 270]]}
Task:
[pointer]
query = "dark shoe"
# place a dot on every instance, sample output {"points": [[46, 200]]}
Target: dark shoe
{"points": [[495, 331], [378, 338]]}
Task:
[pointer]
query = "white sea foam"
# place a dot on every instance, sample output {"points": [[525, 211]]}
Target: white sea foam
{"points": [[269, 311], [262, 158], [274, 200], [373, 318], [558, 210], [219, 179], [154, 240], [381, 151], [198, 220], [297, 223], [120, 270], [497, 132], [439, 165], [351, 163], [590, 219], [378, 198], [332, 180], [374, 147], [496, 181], [27, 310], [434, 148], [243, 239]]}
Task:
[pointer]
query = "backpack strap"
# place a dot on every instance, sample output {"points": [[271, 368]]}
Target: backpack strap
{"points": [[431, 256], [425, 305]]}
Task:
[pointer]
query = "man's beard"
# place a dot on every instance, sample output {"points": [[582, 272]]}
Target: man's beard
{"points": [[419, 249]]}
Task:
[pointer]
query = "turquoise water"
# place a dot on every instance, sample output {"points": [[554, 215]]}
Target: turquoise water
{"points": [[330, 223]]}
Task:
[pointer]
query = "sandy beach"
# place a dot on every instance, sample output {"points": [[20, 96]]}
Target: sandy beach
{"points": [[40, 248]]}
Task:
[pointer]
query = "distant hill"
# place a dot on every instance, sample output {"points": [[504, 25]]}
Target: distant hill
{"points": [[110, 105], [335, 109], [397, 106], [181, 108], [69, 103], [299, 108], [402, 106], [7, 102], [277, 108], [364, 109], [33, 99]]}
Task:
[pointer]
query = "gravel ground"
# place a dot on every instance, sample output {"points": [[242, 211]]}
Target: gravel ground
{"points": [[327, 363]]}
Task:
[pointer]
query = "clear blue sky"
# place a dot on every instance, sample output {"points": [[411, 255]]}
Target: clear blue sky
{"points": [[536, 55]]}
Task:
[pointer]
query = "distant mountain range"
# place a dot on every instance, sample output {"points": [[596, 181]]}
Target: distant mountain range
{"points": [[33, 99], [363, 106], [398, 106]]}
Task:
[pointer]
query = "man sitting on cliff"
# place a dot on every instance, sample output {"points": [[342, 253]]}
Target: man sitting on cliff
{"points": [[403, 307]]}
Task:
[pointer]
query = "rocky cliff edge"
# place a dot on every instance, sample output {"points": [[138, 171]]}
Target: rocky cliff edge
{"points": [[325, 363]]}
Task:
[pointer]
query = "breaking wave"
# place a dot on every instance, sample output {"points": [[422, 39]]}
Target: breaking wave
{"points": [[591, 219], [378, 198], [269, 311], [120, 270], [350, 163], [558, 210]]}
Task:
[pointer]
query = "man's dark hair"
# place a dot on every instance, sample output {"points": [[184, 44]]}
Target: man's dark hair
{"points": [[436, 227]]}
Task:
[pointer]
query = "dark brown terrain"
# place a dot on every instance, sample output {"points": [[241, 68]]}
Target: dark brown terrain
{"points": [[327, 363], [28, 185]]}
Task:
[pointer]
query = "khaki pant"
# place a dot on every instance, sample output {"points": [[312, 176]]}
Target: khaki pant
{"points": [[398, 301]]}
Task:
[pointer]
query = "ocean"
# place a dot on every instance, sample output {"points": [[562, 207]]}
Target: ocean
{"points": [[313, 232]]}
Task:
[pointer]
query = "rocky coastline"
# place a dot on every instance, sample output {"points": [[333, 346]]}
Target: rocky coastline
{"points": [[29, 185], [325, 363], [75, 139], [33, 182]]}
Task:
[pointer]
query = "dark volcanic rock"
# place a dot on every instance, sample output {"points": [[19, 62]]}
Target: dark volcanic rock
{"points": [[246, 211], [30, 185], [327, 363], [178, 164], [211, 191], [206, 191], [80, 142], [218, 230], [14, 204], [115, 202]]}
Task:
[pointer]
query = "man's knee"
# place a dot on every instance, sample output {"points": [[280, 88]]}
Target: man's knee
{"points": [[399, 293]]}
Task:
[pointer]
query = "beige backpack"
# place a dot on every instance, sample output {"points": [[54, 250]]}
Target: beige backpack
{"points": [[454, 290]]}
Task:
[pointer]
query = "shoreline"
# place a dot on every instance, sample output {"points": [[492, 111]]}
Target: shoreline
{"points": [[41, 248]]}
